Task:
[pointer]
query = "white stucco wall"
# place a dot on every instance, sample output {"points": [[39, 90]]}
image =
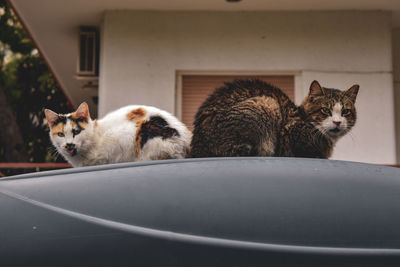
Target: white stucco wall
{"points": [[143, 50], [396, 78]]}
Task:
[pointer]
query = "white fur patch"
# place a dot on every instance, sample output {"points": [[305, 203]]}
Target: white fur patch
{"points": [[337, 113], [336, 124]]}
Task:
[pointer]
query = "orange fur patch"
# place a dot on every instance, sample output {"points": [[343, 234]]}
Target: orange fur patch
{"points": [[138, 137], [163, 156], [81, 124], [74, 116], [187, 152], [57, 128], [81, 121], [136, 114], [96, 123]]}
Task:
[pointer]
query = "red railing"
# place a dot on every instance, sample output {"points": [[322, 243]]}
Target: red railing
{"points": [[393, 165], [32, 165]]}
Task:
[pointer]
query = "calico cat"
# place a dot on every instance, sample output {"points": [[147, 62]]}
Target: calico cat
{"points": [[131, 133], [254, 118]]}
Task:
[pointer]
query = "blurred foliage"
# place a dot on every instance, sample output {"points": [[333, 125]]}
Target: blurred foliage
{"points": [[29, 87]]}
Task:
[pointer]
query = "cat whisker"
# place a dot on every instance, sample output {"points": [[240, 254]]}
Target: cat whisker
{"points": [[53, 153], [319, 132], [351, 136]]}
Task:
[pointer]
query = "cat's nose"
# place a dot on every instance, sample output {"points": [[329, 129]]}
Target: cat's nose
{"points": [[70, 145], [337, 123]]}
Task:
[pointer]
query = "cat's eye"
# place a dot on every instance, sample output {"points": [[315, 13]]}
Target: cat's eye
{"points": [[346, 111], [61, 134], [326, 111]]}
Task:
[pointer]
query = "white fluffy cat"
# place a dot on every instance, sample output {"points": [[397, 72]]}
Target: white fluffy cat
{"points": [[131, 133]]}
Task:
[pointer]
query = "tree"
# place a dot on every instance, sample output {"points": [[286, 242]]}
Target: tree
{"points": [[26, 88], [11, 141]]}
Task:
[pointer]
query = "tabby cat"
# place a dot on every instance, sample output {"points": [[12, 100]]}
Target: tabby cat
{"points": [[254, 118], [131, 133]]}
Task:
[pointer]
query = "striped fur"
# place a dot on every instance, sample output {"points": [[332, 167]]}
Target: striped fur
{"points": [[254, 118], [131, 133]]}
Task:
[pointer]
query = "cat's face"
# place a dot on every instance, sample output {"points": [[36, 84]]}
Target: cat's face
{"points": [[70, 133], [331, 111]]}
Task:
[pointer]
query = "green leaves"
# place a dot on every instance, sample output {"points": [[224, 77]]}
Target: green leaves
{"points": [[28, 85], [12, 34]]}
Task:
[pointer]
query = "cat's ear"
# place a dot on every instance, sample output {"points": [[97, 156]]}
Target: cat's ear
{"points": [[316, 89], [51, 117], [352, 92], [82, 112]]}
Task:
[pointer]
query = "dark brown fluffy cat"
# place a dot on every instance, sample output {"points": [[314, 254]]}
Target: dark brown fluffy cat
{"points": [[254, 118]]}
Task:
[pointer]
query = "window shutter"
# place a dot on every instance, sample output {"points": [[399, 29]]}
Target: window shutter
{"points": [[196, 88]]}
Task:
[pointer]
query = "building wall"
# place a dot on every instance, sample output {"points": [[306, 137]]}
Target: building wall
{"points": [[396, 78], [142, 52]]}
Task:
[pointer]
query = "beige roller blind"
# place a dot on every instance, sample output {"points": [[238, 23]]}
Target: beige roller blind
{"points": [[196, 88]]}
